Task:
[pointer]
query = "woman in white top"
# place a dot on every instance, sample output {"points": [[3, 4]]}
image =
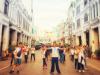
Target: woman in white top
{"points": [[33, 53], [81, 61]]}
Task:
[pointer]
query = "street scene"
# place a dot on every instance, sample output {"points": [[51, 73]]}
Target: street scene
{"points": [[49, 37]]}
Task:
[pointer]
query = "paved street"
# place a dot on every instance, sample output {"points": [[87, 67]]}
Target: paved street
{"points": [[35, 68]]}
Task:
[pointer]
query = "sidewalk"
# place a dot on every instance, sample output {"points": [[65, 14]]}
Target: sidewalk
{"points": [[94, 63], [4, 64]]}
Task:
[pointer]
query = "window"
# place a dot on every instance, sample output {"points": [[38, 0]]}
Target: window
{"points": [[23, 23], [85, 17], [78, 23], [73, 26], [89, 0], [32, 30], [78, 10], [99, 1], [85, 2], [91, 13], [73, 13], [6, 6], [96, 9]]}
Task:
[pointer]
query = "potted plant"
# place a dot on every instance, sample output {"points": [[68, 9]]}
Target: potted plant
{"points": [[97, 53]]}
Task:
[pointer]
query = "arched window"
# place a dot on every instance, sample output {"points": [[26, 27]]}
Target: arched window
{"points": [[86, 17]]}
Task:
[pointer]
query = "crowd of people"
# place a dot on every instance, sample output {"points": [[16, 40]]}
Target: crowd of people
{"points": [[79, 55], [21, 51], [17, 53], [55, 52]]}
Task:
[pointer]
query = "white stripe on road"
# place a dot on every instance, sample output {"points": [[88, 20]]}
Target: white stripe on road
{"points": [[4, 67]]}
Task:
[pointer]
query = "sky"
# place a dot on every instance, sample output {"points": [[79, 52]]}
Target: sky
{"points": [[48, 13]]}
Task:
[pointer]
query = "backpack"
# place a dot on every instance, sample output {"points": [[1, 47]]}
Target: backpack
{"points": [[46, 53], [19, 53]]}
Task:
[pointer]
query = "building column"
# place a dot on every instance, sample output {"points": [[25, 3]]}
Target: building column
{"points": [[83, 38], [77, 40], [29, 41], [99, 7], [99, 34], [73, 40], [14, 38], [23, 38], [19, 37], [92, 40], [0, 38], [5, 41]]}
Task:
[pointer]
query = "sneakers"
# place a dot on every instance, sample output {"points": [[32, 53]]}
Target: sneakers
{"points": [[51, 73], [81, 71], [59, 72], [18, 71], [11, 71]]}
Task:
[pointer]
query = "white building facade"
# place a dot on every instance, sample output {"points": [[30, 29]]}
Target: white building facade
{"points": [[4, 25], [15, 25], [87, 23]]}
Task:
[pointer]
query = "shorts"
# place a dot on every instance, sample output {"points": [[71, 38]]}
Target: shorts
{"points": [[17, 61]]}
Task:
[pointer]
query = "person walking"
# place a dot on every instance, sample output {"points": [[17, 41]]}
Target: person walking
{"points": [[11, 51], [26, 53], [86, 56], [44, 49], [64, 53], [61, 51], [33, 52], [55, 58], [76, 58], [17, 58], [72, 53]]}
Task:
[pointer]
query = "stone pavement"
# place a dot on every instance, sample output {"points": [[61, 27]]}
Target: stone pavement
{"points": [[94, 63], [4, 64], [35, 68]]}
